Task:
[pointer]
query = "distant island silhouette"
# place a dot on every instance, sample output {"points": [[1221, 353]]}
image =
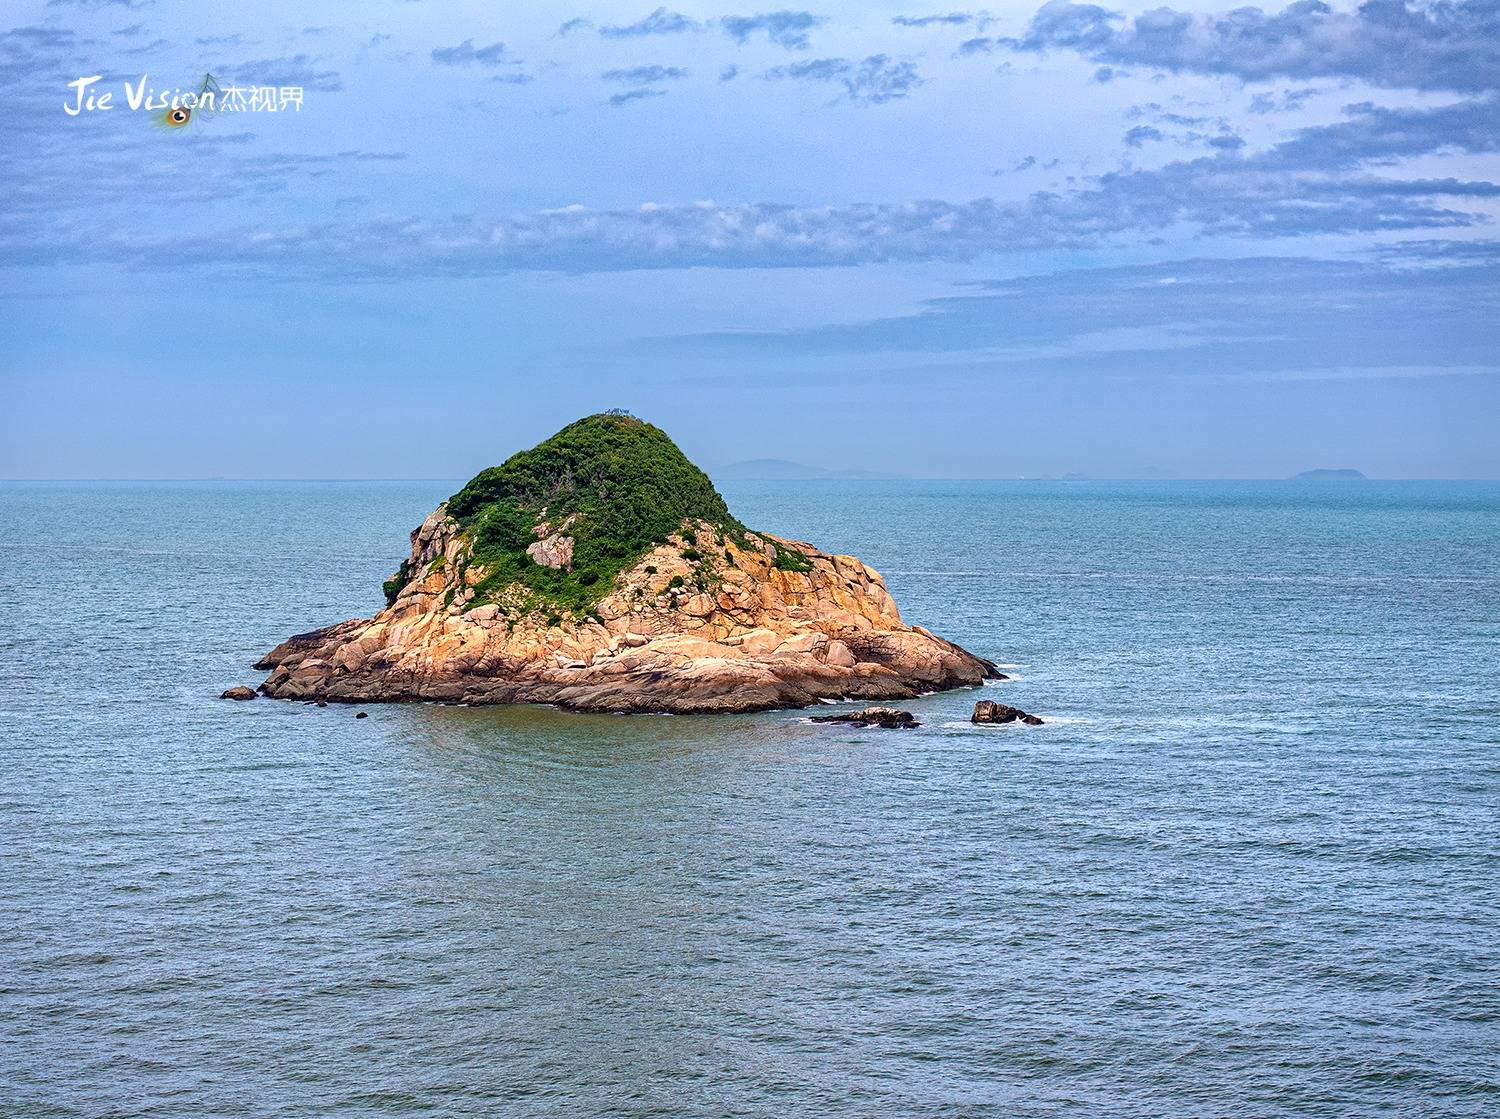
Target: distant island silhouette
{"points": [[1323, 474], [779, 470]]}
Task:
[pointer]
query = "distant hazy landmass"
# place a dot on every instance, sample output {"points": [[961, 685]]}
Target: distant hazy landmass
{"points": [[1343, 474], [780, 470]]}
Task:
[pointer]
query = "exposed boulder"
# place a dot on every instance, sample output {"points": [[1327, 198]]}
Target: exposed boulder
{"points": [[553, 550], [239, 691]]}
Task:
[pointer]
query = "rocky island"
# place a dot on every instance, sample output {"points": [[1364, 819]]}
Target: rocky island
{"points": [[601, 571], [1338, 474]]}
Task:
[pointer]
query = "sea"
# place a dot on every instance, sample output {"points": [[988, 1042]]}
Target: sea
{"points": [[1249, 865]]}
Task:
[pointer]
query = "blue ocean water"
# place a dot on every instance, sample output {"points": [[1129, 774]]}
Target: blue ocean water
{"points": [[1249, 866]]}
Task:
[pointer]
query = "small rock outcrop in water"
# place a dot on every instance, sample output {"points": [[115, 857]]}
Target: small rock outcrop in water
{"points": [[988, 711], [601, 571], [239, 691], [889, 718]]}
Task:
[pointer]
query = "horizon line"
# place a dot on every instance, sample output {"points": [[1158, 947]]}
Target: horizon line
{"points": [[784, 481]]}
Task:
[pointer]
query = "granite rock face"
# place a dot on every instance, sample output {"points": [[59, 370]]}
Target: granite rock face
{"points": [[762, 638], [712, 618]]}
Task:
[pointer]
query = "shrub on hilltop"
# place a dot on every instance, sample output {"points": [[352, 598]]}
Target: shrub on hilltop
{"points": [[624, 480]]}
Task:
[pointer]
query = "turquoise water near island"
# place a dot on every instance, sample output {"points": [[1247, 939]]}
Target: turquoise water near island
{"points": [[1249, 866]]}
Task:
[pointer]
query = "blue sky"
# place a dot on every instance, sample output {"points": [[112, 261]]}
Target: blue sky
{"points": [[1020, 241]]}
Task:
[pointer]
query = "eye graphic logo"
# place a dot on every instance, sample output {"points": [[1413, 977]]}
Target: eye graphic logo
{"points": [[204, 103]]}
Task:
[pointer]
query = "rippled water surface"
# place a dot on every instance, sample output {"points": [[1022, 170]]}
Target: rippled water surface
{"points": [[1249, 866]]}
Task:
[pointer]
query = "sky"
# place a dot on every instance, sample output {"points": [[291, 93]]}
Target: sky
{"points": [[1023, 241]]}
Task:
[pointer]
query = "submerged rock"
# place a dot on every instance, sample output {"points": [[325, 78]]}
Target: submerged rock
{"points": [[889, 718], [239, 691], [988, 711], [660, 601]]}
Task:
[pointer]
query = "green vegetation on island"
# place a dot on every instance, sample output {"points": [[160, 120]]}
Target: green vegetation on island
{"points": [[618, 484], [790, 560]]}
